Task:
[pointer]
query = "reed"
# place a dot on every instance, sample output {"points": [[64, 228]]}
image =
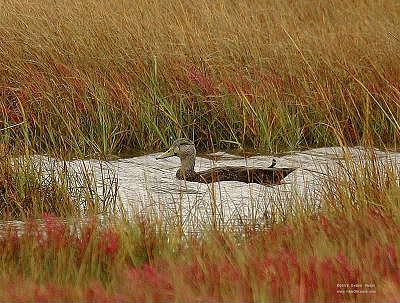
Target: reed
{"points": [[93, 77], [30, 188], [351, 239], [85, 78]]}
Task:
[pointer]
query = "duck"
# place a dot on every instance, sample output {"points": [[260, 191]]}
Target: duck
{"points": [[186, 151]]}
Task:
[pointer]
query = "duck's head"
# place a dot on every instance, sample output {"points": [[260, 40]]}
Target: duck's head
{"points": [[182, 148]]}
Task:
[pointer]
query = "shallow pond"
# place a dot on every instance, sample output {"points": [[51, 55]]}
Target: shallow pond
{"points": [[146, 185]]}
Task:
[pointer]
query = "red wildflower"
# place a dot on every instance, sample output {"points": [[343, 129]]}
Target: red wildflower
{"points": [[110, 242], [56, 231], [349, 274], [148, 277], [328, 277], [83, 242], [203, 81]]}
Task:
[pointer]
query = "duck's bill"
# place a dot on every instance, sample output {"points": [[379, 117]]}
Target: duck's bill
{"points": [[168, 153]]}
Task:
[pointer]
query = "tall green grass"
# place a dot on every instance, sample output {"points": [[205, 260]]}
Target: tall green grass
{"points": [[305, 257], [93, 77], [29, 189]]}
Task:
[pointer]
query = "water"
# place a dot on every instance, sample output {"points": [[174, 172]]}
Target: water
{"points": [[148, 186]]}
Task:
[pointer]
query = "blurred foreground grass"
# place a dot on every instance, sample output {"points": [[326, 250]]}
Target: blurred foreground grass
{"points": [[301, 255]]}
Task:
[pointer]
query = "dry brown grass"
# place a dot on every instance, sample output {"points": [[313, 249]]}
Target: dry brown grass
{"points": [[92, 77], [266, 74]]}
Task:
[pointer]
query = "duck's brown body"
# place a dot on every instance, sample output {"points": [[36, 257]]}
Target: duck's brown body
{"points": [[237, 173], [186, 151]]}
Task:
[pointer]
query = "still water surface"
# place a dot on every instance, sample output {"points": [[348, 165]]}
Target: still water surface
{"points": [[146, 185]]}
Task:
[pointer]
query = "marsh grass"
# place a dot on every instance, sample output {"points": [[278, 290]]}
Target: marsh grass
{"points": [[362, 183], [29, 189], [24, 193], [93, 77], [300, 256]]}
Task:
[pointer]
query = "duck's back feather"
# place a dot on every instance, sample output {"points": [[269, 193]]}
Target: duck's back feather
{"points": [[238, 173]]}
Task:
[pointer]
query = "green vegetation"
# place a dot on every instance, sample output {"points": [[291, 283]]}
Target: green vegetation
{"points": [[29, 190], [94, 77], [84, 78], [353, 239]]}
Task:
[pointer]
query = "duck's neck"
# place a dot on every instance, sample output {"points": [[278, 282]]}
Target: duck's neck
{"points": [[187, 164]]}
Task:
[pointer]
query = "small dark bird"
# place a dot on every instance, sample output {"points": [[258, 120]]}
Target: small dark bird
{"points": [[186, 151]]}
